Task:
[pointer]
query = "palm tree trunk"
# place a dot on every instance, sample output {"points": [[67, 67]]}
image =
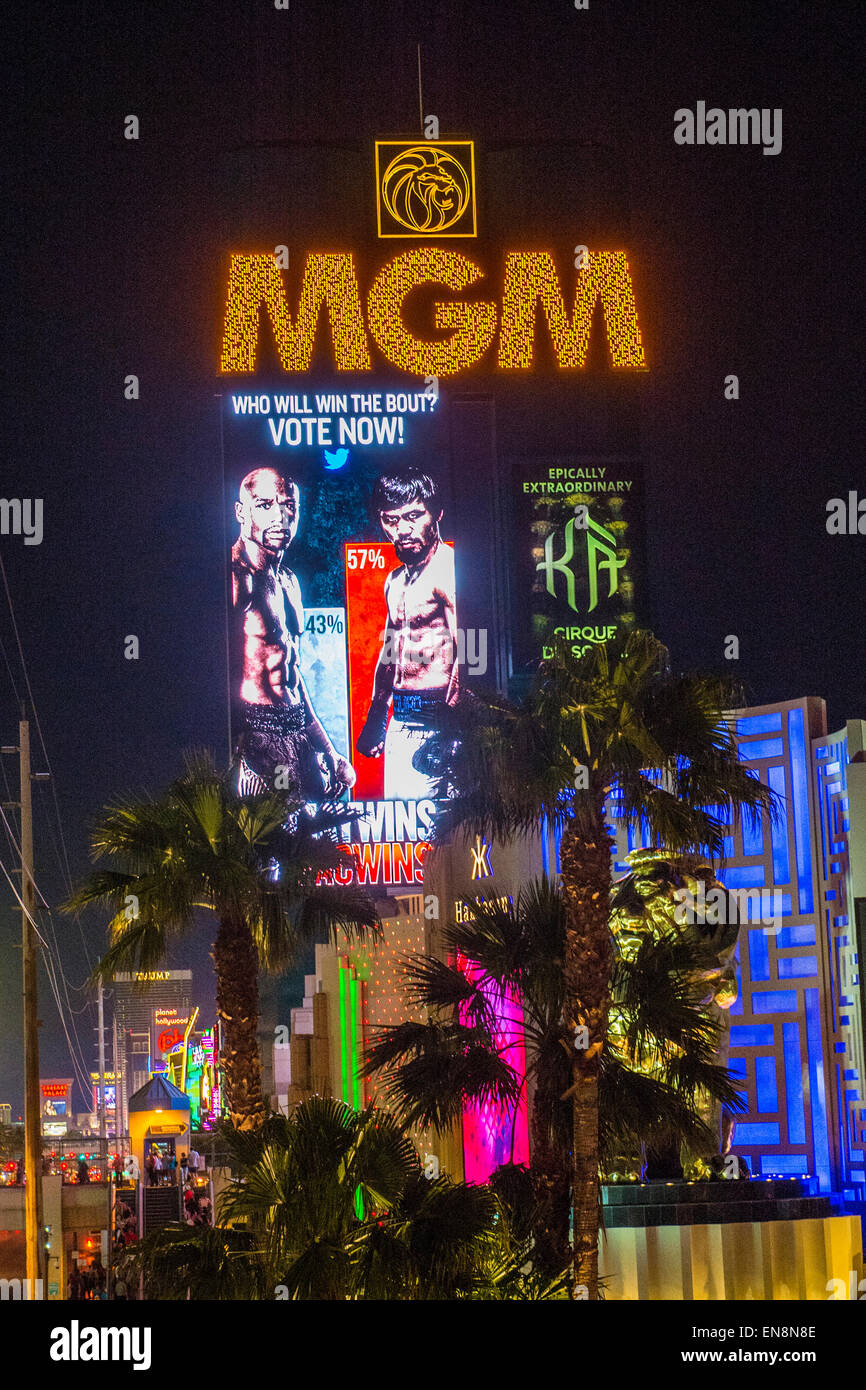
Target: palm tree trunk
{"points": [[551, 1184], [586, 883], [237, 971]]}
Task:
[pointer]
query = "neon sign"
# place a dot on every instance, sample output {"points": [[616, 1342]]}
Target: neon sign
{"points": [[330, 284], [425, 188]]}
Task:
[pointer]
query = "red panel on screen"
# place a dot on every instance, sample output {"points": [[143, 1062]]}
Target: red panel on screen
{"points": [[367, 567]]}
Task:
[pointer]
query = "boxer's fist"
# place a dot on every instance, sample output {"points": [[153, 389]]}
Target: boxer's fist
{"points": [[371, 739]]}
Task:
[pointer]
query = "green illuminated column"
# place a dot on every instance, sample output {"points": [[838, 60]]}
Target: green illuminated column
{"points": [[350, 1035]]}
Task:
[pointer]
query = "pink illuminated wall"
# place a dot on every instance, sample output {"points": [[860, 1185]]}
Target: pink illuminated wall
{"points": [[493, 1135]]}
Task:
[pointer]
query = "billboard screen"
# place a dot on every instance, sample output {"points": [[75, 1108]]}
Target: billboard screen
{"points": [[576, 554], [343, 645]]}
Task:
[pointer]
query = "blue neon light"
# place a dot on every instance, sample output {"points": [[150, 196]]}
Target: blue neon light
{"points": [[794, 1083], [766, 1090], [820, 1133], [761, 724], [759, 955], [760, 748], [752, 1035], [774, 1001], [764, 1132], [779, 831], [797, 967]]}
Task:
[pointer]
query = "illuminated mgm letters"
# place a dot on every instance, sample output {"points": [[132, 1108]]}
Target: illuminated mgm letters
{"points": [[330, 283]]}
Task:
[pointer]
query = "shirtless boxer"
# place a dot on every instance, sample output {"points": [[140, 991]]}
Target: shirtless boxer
{"points": [[416, 673], [281, 741]]}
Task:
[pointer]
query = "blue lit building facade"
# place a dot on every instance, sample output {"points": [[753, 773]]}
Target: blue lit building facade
{"points": [[797, 1027]]}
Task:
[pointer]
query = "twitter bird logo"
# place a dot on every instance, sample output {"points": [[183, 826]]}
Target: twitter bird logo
{"points": [[336, 460]]}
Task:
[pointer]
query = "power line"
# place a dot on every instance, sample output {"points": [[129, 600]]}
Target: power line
{"points": [[80, 1069], [37, 721], [9, 669], [54, 962]]}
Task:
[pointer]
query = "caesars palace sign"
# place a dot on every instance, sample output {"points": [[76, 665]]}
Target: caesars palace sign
{"points": [[427, 190]]}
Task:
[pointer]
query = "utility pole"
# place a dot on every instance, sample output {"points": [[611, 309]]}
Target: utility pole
{"points": [[101, 1092], [33, 1218]]}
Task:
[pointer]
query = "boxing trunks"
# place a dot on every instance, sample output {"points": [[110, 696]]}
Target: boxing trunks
{"points": [[413, 745], [274, 737]]}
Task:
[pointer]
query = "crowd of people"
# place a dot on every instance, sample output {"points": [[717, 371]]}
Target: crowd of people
{"points": [[90, 1282], [125, 1227], [197, 1207], [167, 1169]]}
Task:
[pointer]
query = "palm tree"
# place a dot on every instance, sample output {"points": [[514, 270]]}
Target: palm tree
{"points": [[332, 1204], [199, 846], [615, 732], [659, 1062], [180, 1261], [430, 1071], [668, 930]]}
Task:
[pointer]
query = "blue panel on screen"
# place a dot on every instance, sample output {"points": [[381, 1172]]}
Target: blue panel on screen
{"points": [[760, 748], [752, 1035], [759, 955], [766, 1090], [797, 967], [738, 1067], [779, 831], [801, 934], [796, 1164], [766, 1132], [742, 876], [820, 1132], [774, 1001], [753, 835], [800, 799], [760, 724]]}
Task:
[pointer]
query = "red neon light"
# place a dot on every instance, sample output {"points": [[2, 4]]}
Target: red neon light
{"points": [[493, 1135]]}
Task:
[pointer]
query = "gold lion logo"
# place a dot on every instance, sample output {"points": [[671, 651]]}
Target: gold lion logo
{"points": [[426, 189]]}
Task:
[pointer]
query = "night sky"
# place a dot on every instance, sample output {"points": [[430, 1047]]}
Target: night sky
{"points": [[115, 254]]}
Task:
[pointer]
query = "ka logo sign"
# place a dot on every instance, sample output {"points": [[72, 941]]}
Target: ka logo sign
{"points": [[481, 859], [425, 189], [601, 559]]}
